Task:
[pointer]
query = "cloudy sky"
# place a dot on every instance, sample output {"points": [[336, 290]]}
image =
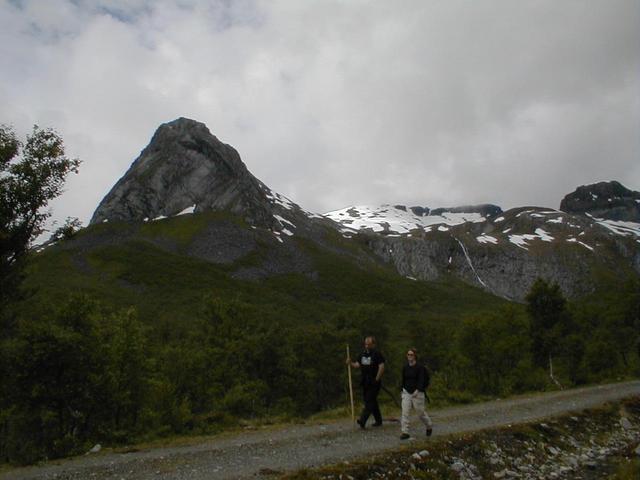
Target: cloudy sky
{"points": [[335, 103]]}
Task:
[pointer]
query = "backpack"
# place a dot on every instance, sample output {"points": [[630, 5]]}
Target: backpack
{"points": [[427, 377]]}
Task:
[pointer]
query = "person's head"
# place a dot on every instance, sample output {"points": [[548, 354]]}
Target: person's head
{"points": [[370, 342], [412, 355]]}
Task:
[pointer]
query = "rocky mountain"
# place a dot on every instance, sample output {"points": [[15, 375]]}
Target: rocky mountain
{"points": [[505, 254], [502, 252], [187, 170], [609, 200]]}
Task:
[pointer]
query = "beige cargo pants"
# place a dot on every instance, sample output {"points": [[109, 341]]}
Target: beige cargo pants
{"points": [[417, 402]]}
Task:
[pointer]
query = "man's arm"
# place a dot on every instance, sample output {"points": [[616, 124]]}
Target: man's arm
{"points": [[380, 372], [353, 364]]}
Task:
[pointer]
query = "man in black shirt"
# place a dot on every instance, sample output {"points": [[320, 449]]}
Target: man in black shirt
{"points": [[371, 365], [414, 384]]}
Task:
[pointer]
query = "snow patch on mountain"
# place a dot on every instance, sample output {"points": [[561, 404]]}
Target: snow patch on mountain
{"points": [[521, 240], [484, 238], [620, 227], [544, 236], [283, 221], [397, 219], [575, 240], [187, 210], [281, 200]]}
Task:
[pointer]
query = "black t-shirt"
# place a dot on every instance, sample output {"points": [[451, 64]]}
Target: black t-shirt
{"points": [[369, 362]]}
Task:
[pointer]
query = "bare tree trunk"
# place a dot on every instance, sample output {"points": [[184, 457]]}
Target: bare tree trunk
{"points": [[551, 374]]}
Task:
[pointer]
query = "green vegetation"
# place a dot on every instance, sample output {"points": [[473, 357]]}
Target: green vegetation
{"points": [[155, 343]]}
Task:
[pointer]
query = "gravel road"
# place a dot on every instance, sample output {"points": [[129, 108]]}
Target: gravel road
{"points": [[256, 454]]}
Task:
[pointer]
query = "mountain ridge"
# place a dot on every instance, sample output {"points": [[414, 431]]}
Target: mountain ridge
{"points": [[186, 170]]}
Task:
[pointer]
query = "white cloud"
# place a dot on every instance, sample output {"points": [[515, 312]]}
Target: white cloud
{"points": [[337, 103]]}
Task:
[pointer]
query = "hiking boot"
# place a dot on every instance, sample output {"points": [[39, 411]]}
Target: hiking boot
{"points": [[404, 436], [361, 423], [429, 431]]}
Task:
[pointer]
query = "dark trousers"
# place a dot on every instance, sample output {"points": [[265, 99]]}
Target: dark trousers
{"points": [[370, 394]]}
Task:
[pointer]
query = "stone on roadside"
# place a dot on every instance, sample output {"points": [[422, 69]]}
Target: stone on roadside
{"points": [[96, 448], [626, 424], [423, 453], [416, 456]]}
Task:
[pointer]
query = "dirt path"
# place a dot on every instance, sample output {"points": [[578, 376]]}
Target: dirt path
{"points": [[246, 455]]}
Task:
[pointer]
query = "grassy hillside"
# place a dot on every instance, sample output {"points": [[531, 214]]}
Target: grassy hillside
{"points": [[164, 284]]}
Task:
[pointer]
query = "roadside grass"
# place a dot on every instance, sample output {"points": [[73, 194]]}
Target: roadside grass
{"points": [[391, 413], [628, 469]]}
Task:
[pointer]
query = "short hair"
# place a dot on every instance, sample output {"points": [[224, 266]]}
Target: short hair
{"points": [[373, 339], [414, 350]]}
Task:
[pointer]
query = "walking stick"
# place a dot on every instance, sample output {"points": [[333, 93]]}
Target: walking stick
{"points": [[353, 413]]}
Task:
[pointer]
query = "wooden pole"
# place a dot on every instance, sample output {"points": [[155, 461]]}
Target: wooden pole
{"points": [[353, 413]]}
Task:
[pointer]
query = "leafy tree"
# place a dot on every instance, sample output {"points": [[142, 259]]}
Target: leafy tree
{"points": [[78, 375], [549, 320], [626, 325], [494, 352], [31, 174], [602, 355], [71, 226], [127, 368], [54, 389]]}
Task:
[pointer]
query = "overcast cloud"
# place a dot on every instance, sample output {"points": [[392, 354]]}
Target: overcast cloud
{"points": [[335, 103]]}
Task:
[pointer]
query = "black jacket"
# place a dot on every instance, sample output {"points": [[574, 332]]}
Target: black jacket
{"points": [[414, 378]]}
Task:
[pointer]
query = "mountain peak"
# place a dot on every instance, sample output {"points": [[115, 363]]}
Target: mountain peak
{"points": [[608, 200], [186, 167]]}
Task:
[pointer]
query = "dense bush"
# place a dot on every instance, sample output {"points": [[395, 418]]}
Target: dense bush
{"points": [[70, 377]]}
